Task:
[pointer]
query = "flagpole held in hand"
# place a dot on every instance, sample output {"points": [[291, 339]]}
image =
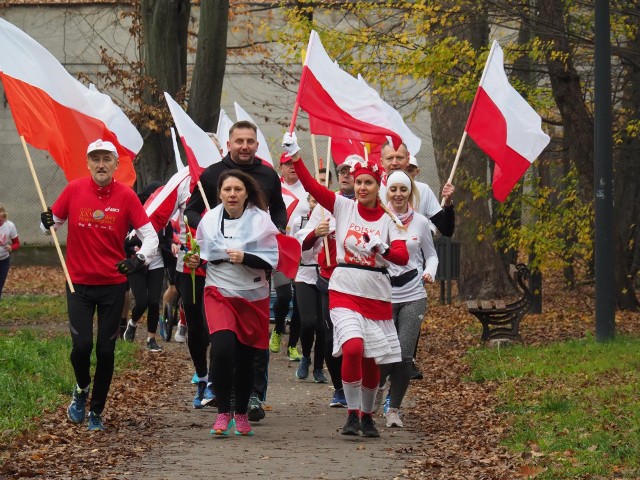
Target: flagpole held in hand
{"points": [[455, 162], [325, 241], [44, 207]]}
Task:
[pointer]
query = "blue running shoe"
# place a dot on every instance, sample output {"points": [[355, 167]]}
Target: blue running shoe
{"points": [[209, 398], [77, 410], [387, 404], [338, 400], [195, 379], [197, 401], [95, 423], [303, 369]]}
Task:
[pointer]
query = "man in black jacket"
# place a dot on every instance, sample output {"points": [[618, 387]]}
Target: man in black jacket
{"points": [[243, 145]]}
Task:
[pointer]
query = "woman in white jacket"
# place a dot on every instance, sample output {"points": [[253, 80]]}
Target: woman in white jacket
{"points": [[409, 297], [238, 241]]}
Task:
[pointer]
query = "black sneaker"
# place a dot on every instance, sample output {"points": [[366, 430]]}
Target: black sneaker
{"points": [[352, 427], [414, 373], [130, 332], [255, 411], [153, 346], [369, 426]]}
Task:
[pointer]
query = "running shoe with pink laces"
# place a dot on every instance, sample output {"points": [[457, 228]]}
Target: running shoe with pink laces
{"points": [[243, 427], [224, 423]]}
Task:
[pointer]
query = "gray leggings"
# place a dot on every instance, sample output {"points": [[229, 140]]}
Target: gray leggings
{"points": [[408, 317]]}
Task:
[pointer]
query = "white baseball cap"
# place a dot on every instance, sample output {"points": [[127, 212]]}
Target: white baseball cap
{"points": [[101, 145], [350, 161], [413, 161]]}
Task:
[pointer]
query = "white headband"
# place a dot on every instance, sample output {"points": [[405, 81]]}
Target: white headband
{"points": [[398, 176]]}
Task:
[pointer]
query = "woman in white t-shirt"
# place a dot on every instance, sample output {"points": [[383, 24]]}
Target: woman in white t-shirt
{"points": [[238, 241], [368, 239], [409, 297], [8, 243]]}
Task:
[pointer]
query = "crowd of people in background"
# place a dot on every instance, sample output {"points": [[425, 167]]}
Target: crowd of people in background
{"points": [[357, 301]]}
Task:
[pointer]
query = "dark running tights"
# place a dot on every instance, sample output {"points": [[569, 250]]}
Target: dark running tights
{"points": [[232, 369], [198, 333], [146, 287], [280, 310], [107, 301], [311, 323]]}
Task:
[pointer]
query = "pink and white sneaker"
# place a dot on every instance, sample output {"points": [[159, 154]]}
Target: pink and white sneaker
{"points": [[243, 427], [224, 423]]}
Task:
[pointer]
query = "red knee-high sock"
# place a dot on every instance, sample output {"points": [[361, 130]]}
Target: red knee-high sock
{"points": [[352, 351]]}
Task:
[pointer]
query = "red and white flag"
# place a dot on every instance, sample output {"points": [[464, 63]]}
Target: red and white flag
{"points": [[198, 147], [290, 201], [504, 126], [340, 105], [263, 146], [341, 148], [54, 112]]}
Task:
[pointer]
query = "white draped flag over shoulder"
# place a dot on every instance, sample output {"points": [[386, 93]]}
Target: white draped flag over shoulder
{"points": [[504, 126], [198, 147], [263, 146]]}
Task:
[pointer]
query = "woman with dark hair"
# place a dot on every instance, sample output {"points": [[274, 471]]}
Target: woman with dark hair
{"points": [[237, 239], [146, 283], [368, 239]]}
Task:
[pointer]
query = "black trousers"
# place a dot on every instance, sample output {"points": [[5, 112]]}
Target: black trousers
{"points": [[232, 369], [107, 301], [311, 322], [146, 286], [334, 365], [198, 333]]}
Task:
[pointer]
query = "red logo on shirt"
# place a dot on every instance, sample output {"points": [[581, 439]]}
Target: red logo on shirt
{"points": [[354, 251]]}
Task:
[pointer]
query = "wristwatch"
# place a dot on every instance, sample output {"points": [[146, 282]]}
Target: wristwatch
{"points": [[141, 257]]}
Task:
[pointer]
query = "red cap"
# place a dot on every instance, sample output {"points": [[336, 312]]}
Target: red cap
{"points": [[285, 158]]}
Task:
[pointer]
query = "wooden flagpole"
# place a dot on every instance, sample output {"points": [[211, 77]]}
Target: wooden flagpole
{"points": [[44, 208]]}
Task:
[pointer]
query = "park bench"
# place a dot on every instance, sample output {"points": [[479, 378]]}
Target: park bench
{"points": [[501, 320]]}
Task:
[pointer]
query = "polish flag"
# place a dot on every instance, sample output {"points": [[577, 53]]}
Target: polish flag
{"points": [[224, 124], [504, 126], [341, 148], [198, 147], [161, 204], [54, 112], [263, 146], [290, 201], [340, 105], [410, 139]]}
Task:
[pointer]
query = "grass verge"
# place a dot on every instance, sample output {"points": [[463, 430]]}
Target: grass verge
{"points": [[32, 309], [574, 406], [36, 376]]}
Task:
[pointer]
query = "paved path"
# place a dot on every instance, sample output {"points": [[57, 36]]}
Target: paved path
{"points": [[299, 438]]}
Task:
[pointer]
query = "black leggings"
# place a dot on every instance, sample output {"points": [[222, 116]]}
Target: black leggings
{"points": [[198, 332], [311, 323], [334, 364], [146, 286], [108, 301], [280, 310], [232, 369]]}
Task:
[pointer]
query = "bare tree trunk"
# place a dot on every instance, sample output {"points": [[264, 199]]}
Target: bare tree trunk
{"points": [[208, 74], [481, 270], [164, 50], [565, 83], [627, 184]]}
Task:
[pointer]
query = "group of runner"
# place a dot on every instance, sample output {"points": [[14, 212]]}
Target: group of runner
{"points": [[367, 250]]}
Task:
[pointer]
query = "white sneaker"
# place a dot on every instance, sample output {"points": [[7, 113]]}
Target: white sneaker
{"points": [[181, 334], [393, 418]]}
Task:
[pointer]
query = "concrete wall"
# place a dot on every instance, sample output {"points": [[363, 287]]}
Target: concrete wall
{"points": [[74, 36]]}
